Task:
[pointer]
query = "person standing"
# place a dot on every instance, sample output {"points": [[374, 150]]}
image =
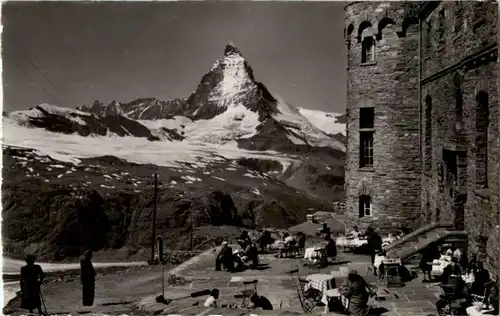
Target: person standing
{"points": [[374, 245], [88, 278], [32, 277]]}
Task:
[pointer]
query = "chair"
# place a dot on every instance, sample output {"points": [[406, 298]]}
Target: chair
{"points": [[307, 303]]}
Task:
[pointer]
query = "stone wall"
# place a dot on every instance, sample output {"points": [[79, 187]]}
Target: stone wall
{"points": [[389, 84], [458, 61]]}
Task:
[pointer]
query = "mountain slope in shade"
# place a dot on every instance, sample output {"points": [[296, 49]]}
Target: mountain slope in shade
{"points": [[69, 121]]}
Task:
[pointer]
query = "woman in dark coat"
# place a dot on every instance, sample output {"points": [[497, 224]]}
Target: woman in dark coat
{"points": [[31, 278], [88, 279]]}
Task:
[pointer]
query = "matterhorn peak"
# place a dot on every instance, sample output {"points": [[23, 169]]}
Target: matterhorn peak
{"points": [[231, 49]]}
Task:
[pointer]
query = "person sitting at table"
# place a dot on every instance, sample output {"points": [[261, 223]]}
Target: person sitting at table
{"points": [[325, 229], [301, 242], [225, 258], [357, 294], [451, 270], [481, 277], [252, 254], [259, 301], [493, 298], [331, 247], [211, 301], [355, 233], [472, 264]]}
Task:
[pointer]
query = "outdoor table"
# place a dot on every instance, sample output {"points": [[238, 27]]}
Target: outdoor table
{"points": [[334, 293], [313, 253], [322, 283], [438, 265], [349, 242], [472, 311], [468, 278]]}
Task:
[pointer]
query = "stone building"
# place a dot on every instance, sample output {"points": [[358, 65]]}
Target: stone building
{"points": [[383, 169], [423, 118]]}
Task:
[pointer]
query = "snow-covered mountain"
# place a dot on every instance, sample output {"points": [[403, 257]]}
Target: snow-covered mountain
{"points": [[232, 153], [228, 106]]}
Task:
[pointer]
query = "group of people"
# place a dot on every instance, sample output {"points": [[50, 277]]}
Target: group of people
{"points": [[238, 260], [451, 278], [32, 277], [256, 301]]}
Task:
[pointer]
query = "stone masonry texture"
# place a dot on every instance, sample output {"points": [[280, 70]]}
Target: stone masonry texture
{"points": [[440, 62], [390, 86]]}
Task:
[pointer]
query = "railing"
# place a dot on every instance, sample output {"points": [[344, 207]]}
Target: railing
{"points": [[416, 233]]}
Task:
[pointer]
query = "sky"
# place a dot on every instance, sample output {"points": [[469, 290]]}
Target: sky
{"points": [[70, 54]]}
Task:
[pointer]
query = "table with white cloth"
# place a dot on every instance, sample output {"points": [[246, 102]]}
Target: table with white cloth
{"points": [[468, 278], [438, 265], [322, 283], [349, 242], [472, 311], [314, 253]]}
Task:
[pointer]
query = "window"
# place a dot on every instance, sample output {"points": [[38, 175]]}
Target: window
{"points": [[438, 215], [428, 134], [365, 206], [482, 122], [428, 213], [366, 149], [451, 175], [442, 17], [459, 107], [368, 50], [458, 16], [429, 35], [366, 118]]}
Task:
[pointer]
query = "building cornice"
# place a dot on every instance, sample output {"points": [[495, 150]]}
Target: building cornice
{"points": [[487, 53]]}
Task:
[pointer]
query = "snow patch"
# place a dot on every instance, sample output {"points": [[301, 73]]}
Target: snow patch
{"points": [[224, 180], [325, 121]]}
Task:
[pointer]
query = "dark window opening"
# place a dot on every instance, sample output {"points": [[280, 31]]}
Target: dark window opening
{"points": [[458, 16], [366, 117], [429, 35], [365, 206], [366, 149], [428, 212], [428, 134], [368, 50], [438, 215], [442, 17], [482, 122], [451, 172], [459, 106]]}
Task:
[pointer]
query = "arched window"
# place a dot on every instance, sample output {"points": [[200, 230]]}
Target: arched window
{"points": [[428, 134], [442, 20], [368, 49], [383, 24], [459, 100], [482, 122], [363, 26], [459, 11]]}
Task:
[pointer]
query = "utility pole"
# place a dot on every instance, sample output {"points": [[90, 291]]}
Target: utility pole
{"points": [[153, 235]]}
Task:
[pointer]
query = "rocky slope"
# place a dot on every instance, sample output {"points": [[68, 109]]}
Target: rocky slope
{"points": [[232, 153], [57, 208]]}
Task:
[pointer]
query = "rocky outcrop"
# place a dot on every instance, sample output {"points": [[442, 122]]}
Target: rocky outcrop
{"points": [[58, 208]]}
